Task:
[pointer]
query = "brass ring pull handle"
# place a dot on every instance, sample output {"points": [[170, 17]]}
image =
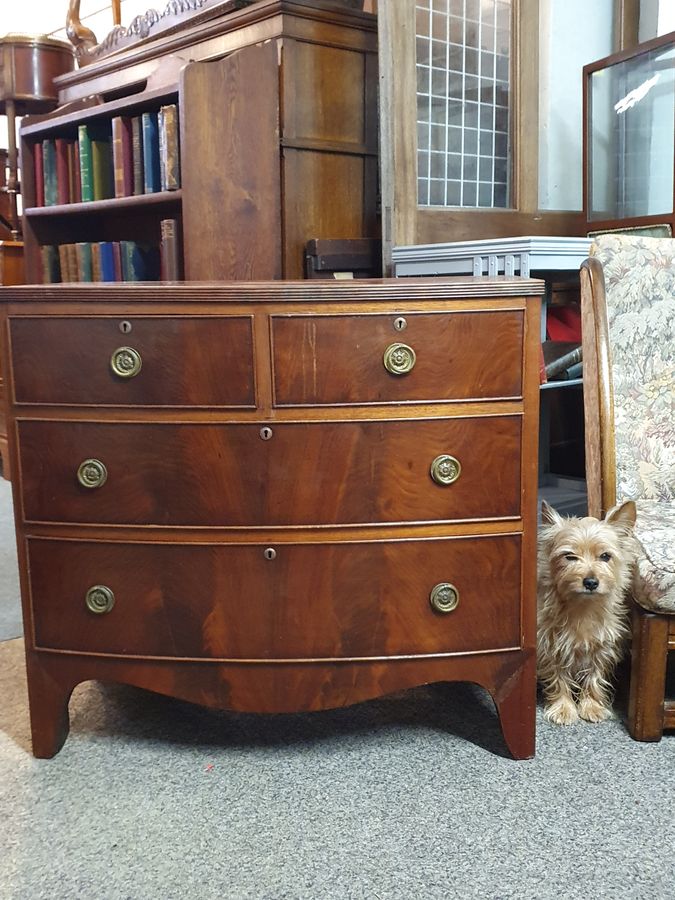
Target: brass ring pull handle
{"points": [[99, 599], [92, 473], [445, 469], [126, 362], [399, 359], [444, 597]]}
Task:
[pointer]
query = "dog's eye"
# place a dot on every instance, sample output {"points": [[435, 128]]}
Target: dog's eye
{"points": [[605, 557], [570, 557]]}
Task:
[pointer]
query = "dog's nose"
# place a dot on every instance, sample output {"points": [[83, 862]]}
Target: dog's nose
{"points": [[591, 583]]}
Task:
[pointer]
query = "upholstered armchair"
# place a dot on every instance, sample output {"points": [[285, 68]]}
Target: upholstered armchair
{"points": [[628, 325]]}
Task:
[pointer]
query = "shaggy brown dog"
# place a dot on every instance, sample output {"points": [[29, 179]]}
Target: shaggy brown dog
{"points": [[584, 568]]}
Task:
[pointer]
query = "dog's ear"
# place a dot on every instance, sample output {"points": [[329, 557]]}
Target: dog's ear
{"points": [[548, 515], [622, 516]]}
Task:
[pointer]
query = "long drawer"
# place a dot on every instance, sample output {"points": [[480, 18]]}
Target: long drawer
{"points": [[309, 601], [342, 360], [318, 473], [140, 361]]}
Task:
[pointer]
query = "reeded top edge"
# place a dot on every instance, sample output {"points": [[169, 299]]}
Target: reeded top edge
{"points": [[382, 289]]}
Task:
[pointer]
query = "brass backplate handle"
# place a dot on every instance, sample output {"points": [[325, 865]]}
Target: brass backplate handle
{"points": [[399, 359], [445, 469], [126, 362], [99, 599], [444, 597], [92, 473]]}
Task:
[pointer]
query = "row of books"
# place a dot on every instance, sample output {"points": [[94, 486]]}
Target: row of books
{"points": [[560, 361], [124, 157], [113, 260]]}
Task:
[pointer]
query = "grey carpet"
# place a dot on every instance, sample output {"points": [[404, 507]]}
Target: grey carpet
{"points": [[412, 796], [406, 797], [10, 606]]}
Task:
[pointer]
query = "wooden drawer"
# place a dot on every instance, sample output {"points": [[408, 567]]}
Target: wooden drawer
{"points": [[311, 601], [333, 359], [305, 474], [185, 361]]}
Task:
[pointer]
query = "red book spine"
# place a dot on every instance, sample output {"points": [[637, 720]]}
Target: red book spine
{"points": [[117, 261], [39, 174]]}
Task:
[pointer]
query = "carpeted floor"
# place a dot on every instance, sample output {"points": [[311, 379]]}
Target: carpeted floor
{"points": [[407, 797], [412, 796], [10, 607]]}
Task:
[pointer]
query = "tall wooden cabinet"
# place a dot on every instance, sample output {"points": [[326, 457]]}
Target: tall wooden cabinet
{"points": [[11, 272], [278, 139]]}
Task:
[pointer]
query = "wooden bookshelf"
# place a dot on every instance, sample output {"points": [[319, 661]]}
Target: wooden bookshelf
{"points": [[277, 127]]}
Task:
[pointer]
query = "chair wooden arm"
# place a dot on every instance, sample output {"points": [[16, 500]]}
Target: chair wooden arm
{"points": [[598, 391]]}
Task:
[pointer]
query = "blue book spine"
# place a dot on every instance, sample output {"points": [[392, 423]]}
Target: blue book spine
{"points": [[107, 261], [151, 168]]}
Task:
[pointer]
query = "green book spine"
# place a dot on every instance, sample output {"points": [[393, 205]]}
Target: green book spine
{"points": [[49, 166], [86, 179], [102, 168], [84, 261], [127, 253]]}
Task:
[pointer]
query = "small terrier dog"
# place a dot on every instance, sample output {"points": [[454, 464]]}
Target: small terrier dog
{"points": [[584, 569]]}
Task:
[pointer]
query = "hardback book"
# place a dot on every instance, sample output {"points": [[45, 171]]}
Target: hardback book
{"points": [[76, 182], [73, 172], [101, 164], [86, 175], [169, 250], [559, 356], [49, 172], [51, 269], [39, 175], [137, 154], [96, 273], [63, 263], [123, 164], [62, 171], [169, 152], [151, 179], [84, 262], [71, 250], [117, 261], [107, 261], [140, 262]]}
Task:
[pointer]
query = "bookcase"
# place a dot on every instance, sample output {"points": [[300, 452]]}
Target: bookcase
{"points": [[276, 112]]}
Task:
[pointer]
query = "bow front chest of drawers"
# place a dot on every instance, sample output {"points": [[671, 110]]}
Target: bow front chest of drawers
{"points": [[274, 497]]}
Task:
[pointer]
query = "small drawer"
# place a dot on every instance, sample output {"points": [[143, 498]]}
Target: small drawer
{"points": [[319, 473], [397, 358], [309, 601], [139, 361]]}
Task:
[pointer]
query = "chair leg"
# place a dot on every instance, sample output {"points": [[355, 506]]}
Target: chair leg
{"points": [[649, 656]]}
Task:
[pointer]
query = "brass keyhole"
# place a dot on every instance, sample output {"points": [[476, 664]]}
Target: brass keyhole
{"points": [[400, 324], [125, 327], [270, 553], [266, 433]]}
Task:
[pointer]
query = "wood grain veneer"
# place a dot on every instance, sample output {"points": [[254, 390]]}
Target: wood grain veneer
{"points": [[11, 272], [264, 557]]}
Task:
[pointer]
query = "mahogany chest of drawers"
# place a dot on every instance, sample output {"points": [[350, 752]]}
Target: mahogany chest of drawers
{"points": [[271, 497]]}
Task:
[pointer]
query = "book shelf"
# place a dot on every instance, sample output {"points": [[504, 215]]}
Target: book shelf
{"points": [[277, 135]]}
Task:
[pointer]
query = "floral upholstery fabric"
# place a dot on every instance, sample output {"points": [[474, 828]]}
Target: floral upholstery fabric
{"points": [[654, 576], [640, 288]]}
